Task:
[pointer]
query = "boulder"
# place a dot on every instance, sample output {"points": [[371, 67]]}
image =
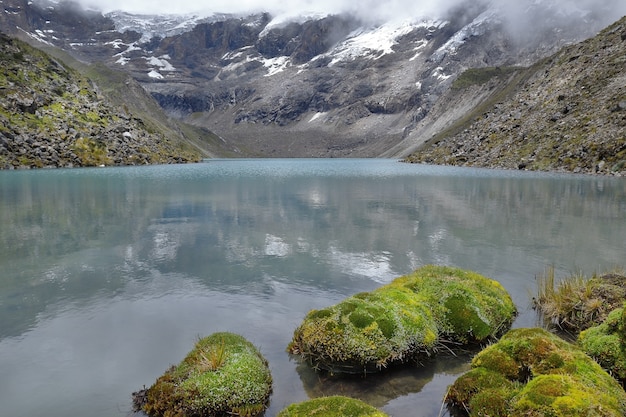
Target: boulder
{"points": [[412, 317]]}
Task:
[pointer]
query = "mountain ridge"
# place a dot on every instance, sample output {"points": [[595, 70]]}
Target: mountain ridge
{"points": [[322, 86], [568, 114], [52, 116]]}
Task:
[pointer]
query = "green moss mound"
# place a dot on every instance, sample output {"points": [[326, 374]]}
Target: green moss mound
{"points": [[223, 375], [606, 343], [411, 316], [531, 372], [336, 406]]}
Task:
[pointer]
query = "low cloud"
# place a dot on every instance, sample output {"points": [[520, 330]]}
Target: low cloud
{"points": [[606, 10]]}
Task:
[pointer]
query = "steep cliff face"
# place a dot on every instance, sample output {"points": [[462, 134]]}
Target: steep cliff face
{"points": [[567, 113], [311, 85], [50, 116]]}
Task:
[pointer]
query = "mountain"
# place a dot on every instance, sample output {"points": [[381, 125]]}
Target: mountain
{"points": [[54, 117], [312, 85], [565, 113]]}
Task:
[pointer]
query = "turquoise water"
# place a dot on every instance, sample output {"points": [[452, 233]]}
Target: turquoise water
{"points": [[110, 275]]}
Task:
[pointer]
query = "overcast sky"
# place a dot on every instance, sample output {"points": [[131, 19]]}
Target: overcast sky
{"points": [[381, 9], [375, 7]]}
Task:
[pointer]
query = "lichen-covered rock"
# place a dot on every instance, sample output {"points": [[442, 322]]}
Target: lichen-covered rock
{"points": [[531, 372], [223, 375], [336, 406], [606, 343], [409, 317]]}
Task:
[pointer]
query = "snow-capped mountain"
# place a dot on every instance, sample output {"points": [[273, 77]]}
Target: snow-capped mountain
{"points": [[314, 85]]}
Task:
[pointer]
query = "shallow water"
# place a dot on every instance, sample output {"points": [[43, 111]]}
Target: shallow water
{"points": [[110, 275]]}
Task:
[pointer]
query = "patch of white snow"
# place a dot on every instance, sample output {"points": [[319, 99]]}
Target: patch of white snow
{"points": [[161, 62], [276, 65], [475, 28], [155, 74], [376, 42], [317, 116]]}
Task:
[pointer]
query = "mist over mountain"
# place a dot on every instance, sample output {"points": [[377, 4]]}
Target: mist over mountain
{"points": [[313, 79], [371, 10]]}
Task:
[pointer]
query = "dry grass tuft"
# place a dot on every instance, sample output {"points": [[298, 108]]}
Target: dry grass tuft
{"points": [[578, 302]]}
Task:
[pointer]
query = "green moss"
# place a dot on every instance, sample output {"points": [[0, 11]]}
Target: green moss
{"points": [[90, 152], [606, 343], [536, 374], [405, 319], [335, 406], [223, 375], [480, 380]]}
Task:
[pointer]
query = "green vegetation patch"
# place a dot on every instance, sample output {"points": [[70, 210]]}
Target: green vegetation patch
{"points": [[606, 343], [578, 302], [223, 375], [531, 372], [480, 76], [410, 317], [336, 406]]}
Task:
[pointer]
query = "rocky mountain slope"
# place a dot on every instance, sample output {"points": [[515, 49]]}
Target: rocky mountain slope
{"points": [[333, 85], [51, 116], [565, 113]]}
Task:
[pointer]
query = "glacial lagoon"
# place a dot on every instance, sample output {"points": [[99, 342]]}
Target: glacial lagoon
{"points": [[110, 275]]}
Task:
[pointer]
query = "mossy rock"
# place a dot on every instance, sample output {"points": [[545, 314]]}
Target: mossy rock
{"points": [[335, 406], [408, 318], [531, 372], [606, 343], [224, 375]]}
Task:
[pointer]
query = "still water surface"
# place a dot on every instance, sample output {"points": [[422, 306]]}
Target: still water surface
{"points": [[108, 276]]}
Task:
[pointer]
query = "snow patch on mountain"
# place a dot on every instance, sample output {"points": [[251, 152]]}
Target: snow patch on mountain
{"points": [[477, 27], [155, 74], [276, 65], [161, 62], [160, 26], [283, 20], [375, 42]]}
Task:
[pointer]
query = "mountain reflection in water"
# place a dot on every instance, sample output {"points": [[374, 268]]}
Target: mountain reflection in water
{"points": [[110, 275]]}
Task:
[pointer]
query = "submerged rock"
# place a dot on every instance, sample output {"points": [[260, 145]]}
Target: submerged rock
{"points": [[336, 406], [223, 375], [606, 343], [531, 372], [413, 316]]}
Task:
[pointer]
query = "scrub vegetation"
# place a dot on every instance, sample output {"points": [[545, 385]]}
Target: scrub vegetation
{"points": [[224, 375], [531, 372], [412, 317], [578, 302]]}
